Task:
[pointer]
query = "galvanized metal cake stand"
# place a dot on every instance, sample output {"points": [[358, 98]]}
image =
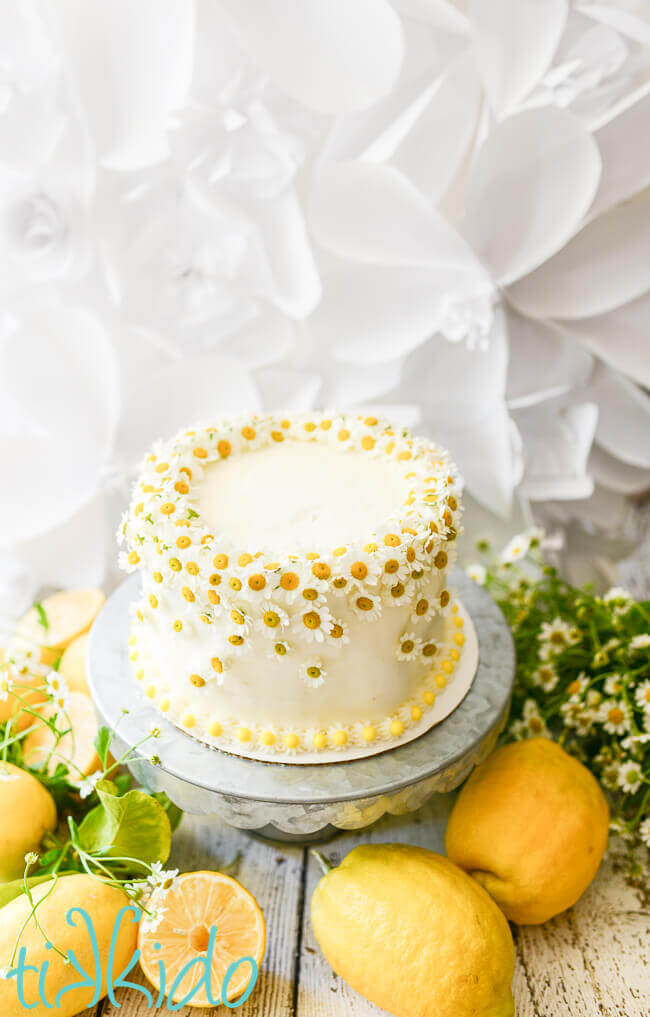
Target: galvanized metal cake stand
{"points": [[293, 803]]}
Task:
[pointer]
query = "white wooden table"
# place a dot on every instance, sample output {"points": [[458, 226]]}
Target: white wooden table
{"points": [[592, 961]]}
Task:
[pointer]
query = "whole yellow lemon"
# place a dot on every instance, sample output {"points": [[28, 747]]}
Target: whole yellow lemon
{"points": [[530, 825], [27, 813], [103, 904], [412, 933]]}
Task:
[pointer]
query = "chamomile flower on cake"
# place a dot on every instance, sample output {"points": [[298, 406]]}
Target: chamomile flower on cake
{"points": [[294, 553]]}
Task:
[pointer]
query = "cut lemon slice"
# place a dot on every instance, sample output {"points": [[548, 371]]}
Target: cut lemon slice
{"points": [[197, 903], [57, 620]]}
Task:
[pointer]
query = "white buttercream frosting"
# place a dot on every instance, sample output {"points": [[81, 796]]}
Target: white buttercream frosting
{"points": [[294, 580]]}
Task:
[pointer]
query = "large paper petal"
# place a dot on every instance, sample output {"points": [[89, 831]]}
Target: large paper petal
{"points": [[132, 66], [515, 42], [621, 337], [544, 361], [73, 554], [533, 180], [59, 371], [377, 313], [461, 392], [373, 213], [623, 144], [558, 440], [333, 57], [624, 417], [281, 388], [180, 394], [432, 150], [606, 264], [616, 475]]}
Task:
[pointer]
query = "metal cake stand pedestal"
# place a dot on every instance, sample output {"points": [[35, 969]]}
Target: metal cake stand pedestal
{"points": [[301, 804]]}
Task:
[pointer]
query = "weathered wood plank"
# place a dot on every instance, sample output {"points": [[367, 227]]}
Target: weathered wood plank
{"points": [[274, 877]]}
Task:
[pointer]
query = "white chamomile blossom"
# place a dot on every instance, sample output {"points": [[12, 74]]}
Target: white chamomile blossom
{"points": [[546, 677], [154, 916], [88, 784], [556, 636], [400, 594], [313, 624], [161, 879], [313, 672], [272, 621], [6, 685], [613, 716], [629, 776], [642, 696], [366, 606], [423, 610], [614, 684], [644, 832], [515, 549], [571, 712], [279, 650], [409, 647], [577, 688], [534, 720], [617, 595], [641, 642], [396, 570], [338, 633], [477, 572]]}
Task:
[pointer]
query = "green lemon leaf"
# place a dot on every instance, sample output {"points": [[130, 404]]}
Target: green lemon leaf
{"points": [[173, 812], [103, 743], [9, 891], [134, 826]]}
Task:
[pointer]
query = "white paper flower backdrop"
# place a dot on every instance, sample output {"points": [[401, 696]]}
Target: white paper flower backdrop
{"points": [[441, 209]]}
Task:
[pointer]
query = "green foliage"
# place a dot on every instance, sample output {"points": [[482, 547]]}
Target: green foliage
{"points": [[583, 675]]}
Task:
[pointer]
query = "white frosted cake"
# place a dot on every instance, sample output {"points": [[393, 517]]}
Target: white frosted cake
{"points": [[294, 599]]}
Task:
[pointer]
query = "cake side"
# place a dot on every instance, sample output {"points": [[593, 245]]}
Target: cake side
{"points": [[314, 647]]}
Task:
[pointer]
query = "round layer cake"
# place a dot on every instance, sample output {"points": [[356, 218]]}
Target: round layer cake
{"points": [[294, 583]]}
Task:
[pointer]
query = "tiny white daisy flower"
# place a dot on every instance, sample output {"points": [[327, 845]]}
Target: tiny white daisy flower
{"points": [[515, 549], [477, 572], [641, 642], [613, 716], [644, 832], [313, 624], [313, 672], [642, 696], [88, 784], [338, 633], [556, 636], [614, 684], [161, 879], [279, 650], [272, 621], [617, 593], [629, 776], [546, 677], [577, 688], [6, 685], [409, 647], [152, 920], [366, 606], [423, 610], [534, 720], [399, 594]]}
